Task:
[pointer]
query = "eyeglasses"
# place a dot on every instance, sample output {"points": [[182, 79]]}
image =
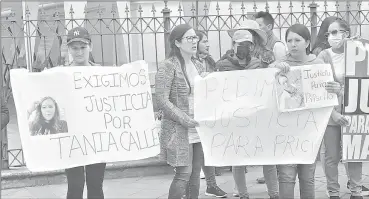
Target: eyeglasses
{"points": [[334, 32], [191, 39]]}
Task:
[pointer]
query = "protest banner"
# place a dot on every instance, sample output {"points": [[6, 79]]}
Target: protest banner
{"points": [[355, 136], [74, 116], [303, 87], [240, 123]]}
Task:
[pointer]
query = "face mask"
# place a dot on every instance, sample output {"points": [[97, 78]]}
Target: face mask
{"points": [[242, 51], [335, 41]]}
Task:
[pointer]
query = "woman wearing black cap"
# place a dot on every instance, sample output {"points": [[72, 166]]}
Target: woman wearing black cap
{"points": [[79, 47]]}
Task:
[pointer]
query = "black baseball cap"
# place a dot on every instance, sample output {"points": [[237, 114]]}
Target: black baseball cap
{"points": [[78, 34]]}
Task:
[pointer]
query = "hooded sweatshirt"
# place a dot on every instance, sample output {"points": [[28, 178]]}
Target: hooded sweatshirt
{"points": [[229, 62], [312, 59]]}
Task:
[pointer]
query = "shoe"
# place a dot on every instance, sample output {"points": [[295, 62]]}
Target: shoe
{"points": [[327, 193], [236, 195], [356, 197], [202, 175], [244, 198], [334, 197], [215, 191], [364, 191], [261, 180]]}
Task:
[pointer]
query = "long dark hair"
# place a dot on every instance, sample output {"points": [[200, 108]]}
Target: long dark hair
{"points": [[208, 58], [176, 35], [39, 122], [321, 40], [301, 30]]}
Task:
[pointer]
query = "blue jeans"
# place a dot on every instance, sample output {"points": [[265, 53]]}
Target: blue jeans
{"points": [[271, 180], [186, 182], [332, 157], [239, 176], [287, 180], [209, 173]]}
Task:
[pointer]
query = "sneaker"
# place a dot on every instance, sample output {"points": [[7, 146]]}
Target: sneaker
{"points": [[202, 175], [215, 192], [364, 191], [236, 195], [356, 197], [334, 197], [260, 180]]}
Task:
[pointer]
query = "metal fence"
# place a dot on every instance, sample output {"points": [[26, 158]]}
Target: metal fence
{"points": [[141, 33]]}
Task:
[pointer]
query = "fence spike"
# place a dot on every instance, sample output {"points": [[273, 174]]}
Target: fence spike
{"points": [[337, 5], [243, 8], [127, 9], [217, 7], [255, 7], [230, 8], [266, 6], [114, 8], [165, 4], [42, 11], [56, 14], [180, 8], [303, 6], [85, 9], [140, 8], [348, 5], [279, 6], [359, 4], [193, 8], [325, 5], [153, 9], [206, 9], [100, 11], [71, 11], [27, 12], [291, 6]]}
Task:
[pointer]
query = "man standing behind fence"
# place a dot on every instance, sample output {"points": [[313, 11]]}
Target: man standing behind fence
{"points": [[266, 23]]}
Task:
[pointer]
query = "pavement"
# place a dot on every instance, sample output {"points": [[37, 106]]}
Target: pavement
{"points": [[158, 186]]}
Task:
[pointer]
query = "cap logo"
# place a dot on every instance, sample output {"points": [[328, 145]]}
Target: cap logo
{"points": [[76, 33]]}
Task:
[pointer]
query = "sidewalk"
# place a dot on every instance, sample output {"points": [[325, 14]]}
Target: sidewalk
{"points": [[158, 186]]}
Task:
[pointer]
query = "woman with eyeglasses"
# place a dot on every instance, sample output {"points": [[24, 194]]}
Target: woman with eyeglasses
{"points": [[179, 141], [338, 33]]}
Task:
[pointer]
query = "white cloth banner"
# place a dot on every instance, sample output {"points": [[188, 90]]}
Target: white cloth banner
{"points": [[240, 123], [74, 116], [304, 88]]}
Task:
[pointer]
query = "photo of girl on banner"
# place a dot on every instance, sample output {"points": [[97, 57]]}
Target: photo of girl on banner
{"points": [[45, 118], [289, 91]]}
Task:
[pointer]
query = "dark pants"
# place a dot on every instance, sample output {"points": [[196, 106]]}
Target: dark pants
{"points": [[94, 181]]}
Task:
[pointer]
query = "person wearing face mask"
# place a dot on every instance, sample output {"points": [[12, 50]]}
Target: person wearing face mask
{"points": [[259, 49], [338, 33], [241, 58]]}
